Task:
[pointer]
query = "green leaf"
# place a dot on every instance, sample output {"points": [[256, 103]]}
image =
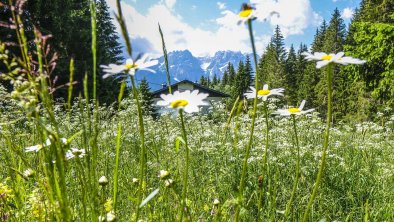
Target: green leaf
{"points": [[147, 199], [178, 140]]}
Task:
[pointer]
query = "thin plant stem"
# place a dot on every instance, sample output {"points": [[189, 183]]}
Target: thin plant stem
{"points": [[142, 152], [165, 60], [185, 174], [325, 145], [247, 152], [265, 161], [118, 141], [297, 176], [93, 18]]}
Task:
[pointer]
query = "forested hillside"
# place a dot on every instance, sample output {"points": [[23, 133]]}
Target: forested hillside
{"points": [[360, 91]]}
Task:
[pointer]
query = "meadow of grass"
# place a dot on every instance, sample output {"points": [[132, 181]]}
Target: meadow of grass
{"points": [[357, 183], [81, 161]]}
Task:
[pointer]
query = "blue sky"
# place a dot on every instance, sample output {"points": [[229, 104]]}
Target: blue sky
{"points": [[207, 26]]}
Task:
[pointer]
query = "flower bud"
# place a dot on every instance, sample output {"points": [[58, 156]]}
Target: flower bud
{"points": [[103, 181]]}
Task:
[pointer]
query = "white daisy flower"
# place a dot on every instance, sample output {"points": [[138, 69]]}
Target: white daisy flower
{"points": [[293, 110], [188, 100], [264, 93], [324, 59], [74, 152], [247, 13], [38, 147], [130, 67]]}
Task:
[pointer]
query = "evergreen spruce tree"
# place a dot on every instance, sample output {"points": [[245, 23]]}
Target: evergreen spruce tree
{"points": [[146, 97], [225, 79], [69, 24], [279, 45], [370, 37], [318, 42], [238, 89], [231, 73], [215, 81], [271, 68], [203, 81], [291, 76]]}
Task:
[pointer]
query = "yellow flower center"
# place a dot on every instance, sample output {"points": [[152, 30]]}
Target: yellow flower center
{"points": [[326, 57], [130, 66], [294, 110], [245, 13], [263, 92], [179, 103]]}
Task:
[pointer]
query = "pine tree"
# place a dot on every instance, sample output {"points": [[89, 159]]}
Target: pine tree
{"points": [[225, 79], [215, 81], [231, 73], [271, 69], [291, 76], [248, 78], [370, 38], [279, 45], [318, 42], [146, 97], [69, 24], [203, 81]]}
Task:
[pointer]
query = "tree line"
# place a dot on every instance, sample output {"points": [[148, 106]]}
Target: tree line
{"points": [[359, 91], [68, 22]]}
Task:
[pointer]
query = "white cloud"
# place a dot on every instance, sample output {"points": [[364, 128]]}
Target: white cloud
{"points": [[221, 5], [294, 15], [170, 3], [347, 13]]}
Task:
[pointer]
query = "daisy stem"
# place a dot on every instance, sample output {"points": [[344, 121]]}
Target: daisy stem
{"points": [[245, 163], [297, 176], [143, 151], [265, 161], [325, 145], [184, 188]]}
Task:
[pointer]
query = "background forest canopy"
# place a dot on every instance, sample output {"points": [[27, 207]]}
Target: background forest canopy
{"points": [[359, 92]]}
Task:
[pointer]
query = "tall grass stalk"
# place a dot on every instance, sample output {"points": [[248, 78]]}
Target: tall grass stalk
{"points": [[297, 175], [330, 70], [265, 167], [142, 176], [59, 179], [185, 173], [165, 60], [118, 144], [247, 152]]}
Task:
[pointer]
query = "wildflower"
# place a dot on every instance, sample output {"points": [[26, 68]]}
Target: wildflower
{"points": [[324, 59], [163, 174], [135, 180], [130, 67], [47, 143], [103, 181], [168, 182], [187, 101], [74, 152], [101, 219], [293, 110], [28, 173], [263, 93], [111, 216], [247, 13]]}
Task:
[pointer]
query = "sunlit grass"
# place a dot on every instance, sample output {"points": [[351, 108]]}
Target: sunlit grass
{"points": [[90, 162]]}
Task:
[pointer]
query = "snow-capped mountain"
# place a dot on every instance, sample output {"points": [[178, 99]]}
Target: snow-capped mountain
{"points": [[183, 65]]}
